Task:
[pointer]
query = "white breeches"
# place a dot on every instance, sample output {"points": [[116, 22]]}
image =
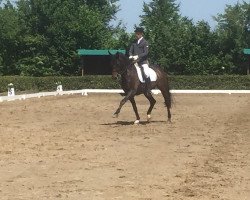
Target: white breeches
{"points": [[146, 70]]}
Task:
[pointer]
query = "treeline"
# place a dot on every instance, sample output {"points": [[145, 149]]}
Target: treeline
{"points": [[40, 37], [188, 48]]}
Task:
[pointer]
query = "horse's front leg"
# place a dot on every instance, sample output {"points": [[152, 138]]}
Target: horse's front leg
{"points": [[132, 100], [130, 95]]}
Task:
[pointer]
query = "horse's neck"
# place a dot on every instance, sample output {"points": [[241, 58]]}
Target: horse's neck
{"points": [[126, 67], [129, 71]]}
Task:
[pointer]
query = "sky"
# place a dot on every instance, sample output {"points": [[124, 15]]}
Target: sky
{"points": [[194, 9]]}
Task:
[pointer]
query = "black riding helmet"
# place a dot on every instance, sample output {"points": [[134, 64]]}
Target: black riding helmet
{"points": [[139, 30]]}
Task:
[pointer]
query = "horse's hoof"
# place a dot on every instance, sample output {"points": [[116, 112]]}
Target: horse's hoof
{"points": [[169, 121], [137, 122], [115, 115], [149, 118]]}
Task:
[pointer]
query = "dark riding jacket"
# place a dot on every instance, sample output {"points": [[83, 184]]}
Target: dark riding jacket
{"points": [[141, 50]]}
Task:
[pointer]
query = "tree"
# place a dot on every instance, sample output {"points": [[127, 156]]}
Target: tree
{"points": [[175, 42], [53, 30], [9, 31], [204, 56], [183, 47], [234, 33], [161, 20]]}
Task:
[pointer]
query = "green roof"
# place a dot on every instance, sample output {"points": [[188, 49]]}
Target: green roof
{"points": [[104, 52], [247, 51]]}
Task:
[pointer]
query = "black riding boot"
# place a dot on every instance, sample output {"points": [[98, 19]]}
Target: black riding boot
{"points": [[148, 85]]}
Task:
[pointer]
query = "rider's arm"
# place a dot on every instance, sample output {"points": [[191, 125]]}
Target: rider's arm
{"points": [[145, 50]]}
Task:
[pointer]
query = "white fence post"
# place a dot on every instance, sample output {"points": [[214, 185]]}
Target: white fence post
{"points": [[11, 90], [59, 87]]}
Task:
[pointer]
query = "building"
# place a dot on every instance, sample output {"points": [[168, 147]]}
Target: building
{"points": [[96, 62]]}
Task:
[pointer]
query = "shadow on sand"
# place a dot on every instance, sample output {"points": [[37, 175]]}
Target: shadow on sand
{"points": [[129, 123]]}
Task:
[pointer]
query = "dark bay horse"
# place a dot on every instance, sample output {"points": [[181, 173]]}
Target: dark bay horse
{"points": [[130, 83]]}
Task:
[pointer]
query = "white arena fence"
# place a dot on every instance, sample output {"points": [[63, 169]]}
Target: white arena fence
{"points": [[85, 92]]}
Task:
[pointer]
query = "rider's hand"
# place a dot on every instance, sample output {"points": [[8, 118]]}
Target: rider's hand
{"points": [[131, 57], [135, 57]]}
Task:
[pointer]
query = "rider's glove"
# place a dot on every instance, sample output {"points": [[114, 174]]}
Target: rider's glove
{"points": [[131, 57], [135, 57]]}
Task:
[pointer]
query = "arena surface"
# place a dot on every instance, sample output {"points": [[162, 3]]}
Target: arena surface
{"points": [[70, 147]]}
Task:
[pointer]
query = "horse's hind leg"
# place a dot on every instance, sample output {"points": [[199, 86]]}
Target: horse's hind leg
{"points": [[152, 103], [132, 100], [167, 97]]}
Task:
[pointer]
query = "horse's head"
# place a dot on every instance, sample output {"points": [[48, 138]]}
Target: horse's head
{"points": [[119, 64]]}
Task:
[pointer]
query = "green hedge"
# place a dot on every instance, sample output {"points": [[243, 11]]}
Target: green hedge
{"points": [[225, 82], [37, 84]]}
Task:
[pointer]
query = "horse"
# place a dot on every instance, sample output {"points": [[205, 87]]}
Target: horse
{"points": [[124, 68]]}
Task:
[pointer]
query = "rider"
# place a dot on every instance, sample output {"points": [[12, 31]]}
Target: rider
{"points": [[139, 52]]}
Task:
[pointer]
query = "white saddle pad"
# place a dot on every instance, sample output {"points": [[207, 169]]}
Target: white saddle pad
{"points": [[152, 74]]}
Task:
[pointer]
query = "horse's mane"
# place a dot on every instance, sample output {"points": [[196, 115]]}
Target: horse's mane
{"points": [[124, 58]]}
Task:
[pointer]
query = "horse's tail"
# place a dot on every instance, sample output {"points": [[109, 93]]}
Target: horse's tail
{"points": [[163, 85]]}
